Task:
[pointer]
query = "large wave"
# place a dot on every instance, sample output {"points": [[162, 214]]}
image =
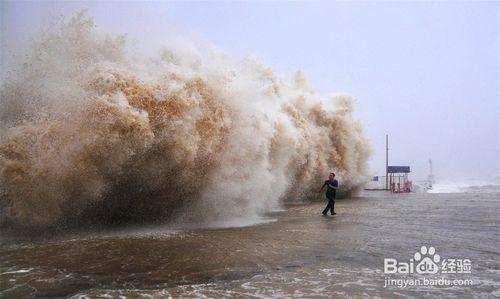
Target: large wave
{"points": [[90, 134], [473, 186]]}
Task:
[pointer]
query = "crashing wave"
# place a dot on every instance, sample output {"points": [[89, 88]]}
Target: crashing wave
{"points": [[89, 133]]}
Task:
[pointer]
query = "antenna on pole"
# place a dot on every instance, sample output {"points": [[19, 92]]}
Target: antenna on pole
{"points": [[386, 162]]}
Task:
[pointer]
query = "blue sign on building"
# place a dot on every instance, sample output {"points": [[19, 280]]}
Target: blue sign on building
{"points": [[398, 169]]}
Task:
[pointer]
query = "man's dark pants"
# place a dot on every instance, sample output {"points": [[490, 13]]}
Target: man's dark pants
{"points": [[330, 206]]}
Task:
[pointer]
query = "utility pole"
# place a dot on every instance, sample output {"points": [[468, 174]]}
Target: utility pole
{"points": [[386, 162]]}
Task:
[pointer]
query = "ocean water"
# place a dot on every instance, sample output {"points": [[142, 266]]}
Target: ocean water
{"points": [[96, 133], [293, 252], [91, 133]]}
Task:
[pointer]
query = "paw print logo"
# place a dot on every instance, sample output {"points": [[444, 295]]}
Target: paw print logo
{"points": [[427, 260]]}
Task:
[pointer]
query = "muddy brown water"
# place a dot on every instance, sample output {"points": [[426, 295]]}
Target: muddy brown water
{"points": [[295, 252]]}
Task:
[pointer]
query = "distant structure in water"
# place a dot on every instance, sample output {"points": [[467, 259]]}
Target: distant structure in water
{"points": [[396, 177], [430, 177]]}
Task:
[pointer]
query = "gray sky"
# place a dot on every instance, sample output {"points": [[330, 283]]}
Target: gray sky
{"points": [[426, 73]]}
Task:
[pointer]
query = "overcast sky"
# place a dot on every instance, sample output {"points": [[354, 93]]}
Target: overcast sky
{"points": [[426, 73]]}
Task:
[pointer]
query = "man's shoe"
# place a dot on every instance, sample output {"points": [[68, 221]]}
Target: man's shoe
{"points": [[334, 213], [324, 214]]}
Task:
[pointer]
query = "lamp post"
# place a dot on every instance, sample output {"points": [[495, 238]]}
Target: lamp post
{"points": [[386, 162]]}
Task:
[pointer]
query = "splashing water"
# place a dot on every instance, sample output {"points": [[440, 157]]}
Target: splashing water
{"points": [[88, 133]]}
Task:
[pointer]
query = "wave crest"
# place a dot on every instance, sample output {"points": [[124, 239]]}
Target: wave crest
{"points": [[89, 133]]}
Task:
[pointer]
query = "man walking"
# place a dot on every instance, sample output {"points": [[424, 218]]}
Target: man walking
{"points": [[332, 186]]}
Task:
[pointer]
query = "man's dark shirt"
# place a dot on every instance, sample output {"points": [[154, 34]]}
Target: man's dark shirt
{"points": [[331, 192]]}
